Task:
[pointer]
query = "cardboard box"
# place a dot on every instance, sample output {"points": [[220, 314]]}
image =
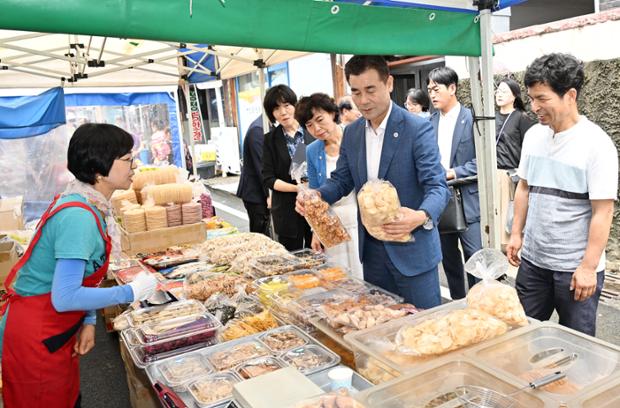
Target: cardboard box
{"points": [[8, 258], [12, 213], [160, 239], [141, 393]]}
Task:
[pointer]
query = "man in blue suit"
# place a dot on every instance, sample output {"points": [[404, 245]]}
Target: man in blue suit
{"points": [[391, 144], [453, 124]]}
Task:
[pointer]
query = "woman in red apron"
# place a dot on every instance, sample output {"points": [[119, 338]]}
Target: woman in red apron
{"points": [[45, 325]]}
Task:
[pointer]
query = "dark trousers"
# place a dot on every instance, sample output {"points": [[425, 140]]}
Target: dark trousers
{"points": [[302, 240], [259, 217], [541, 291], [421, 290], [452, 262]]}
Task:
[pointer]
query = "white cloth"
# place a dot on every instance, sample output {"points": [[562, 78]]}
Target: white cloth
{"points": [[346, 254], [565, 171], [445, 133], [99, 201], [374, 145]]}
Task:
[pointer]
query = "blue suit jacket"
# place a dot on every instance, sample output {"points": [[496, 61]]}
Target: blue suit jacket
{"points": [[317, 166], [410, 161], [463, 160]]}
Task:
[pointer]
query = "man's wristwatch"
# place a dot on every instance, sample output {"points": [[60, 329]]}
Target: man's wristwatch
{"points": [[428, 223]]}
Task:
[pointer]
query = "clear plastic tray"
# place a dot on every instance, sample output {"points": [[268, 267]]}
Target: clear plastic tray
{"points": [[527, 353], [271, 265], [165, 312], [173, 329], [144, 355], [372, 293], [230, 354], [434, 385], [607, 396], [259, 366], [358, 383], [331, 272], [309, 258], [283, 339], [128, 274], [213, 390], [303, 279], [378, 343], [179, 371], [267, 286], [310, 358]]}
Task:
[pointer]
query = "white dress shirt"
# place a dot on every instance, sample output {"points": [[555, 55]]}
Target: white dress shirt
{"points": [[374, 145], [445, 133]]}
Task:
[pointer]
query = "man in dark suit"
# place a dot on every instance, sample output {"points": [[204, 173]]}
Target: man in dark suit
{"points": [[251, 189], [453, 124], [389, 143]]}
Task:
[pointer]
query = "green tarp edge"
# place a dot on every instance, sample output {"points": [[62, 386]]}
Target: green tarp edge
{"points": [[298, 25]]}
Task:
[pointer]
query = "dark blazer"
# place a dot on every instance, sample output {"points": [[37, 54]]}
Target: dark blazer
{"points": [[410, 161], [463, 160], [276, 165], [251, 188]]}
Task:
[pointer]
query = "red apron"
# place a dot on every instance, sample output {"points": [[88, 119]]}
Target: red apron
{"points": [[37, 367]]}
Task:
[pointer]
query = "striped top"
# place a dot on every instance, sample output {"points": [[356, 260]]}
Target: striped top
{"points": [[564, 172]]}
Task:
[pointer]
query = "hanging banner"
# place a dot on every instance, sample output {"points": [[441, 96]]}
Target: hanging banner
{"points": [[195, 115]]}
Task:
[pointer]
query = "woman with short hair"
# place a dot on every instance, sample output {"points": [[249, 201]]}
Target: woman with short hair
{"points": [[319, 114], [418, 102], [50, 319]]}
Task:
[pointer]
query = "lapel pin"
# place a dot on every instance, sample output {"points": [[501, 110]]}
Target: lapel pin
{"points": [[395, 134]]}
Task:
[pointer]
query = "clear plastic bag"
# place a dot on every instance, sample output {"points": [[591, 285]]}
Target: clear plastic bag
{"points": [[323, 220], [489, 295], [379, 204]]}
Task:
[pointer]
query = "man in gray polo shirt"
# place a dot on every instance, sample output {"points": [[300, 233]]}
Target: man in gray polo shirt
{"points": [[564, 201]]}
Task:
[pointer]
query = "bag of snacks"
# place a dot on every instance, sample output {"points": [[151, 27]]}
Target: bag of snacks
{"points": [[379, 204], [323, 220], [489, 295]]}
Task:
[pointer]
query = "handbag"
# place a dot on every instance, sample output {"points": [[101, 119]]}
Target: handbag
{"points": [[453, 219]]}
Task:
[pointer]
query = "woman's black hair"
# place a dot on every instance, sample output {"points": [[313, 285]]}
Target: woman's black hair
{"points": [[303, 109], [515, 89], [561, 72], [420, 97], [275, 96], [93, 149]]}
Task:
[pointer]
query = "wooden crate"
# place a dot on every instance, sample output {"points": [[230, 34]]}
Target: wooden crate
{"points": [[160, 239]]}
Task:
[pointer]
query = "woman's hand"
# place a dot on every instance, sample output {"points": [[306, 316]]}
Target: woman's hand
{"points": [[85, 340], [316, 243]]}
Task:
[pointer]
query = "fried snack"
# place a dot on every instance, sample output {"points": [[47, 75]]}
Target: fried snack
{"points": [[356, 315], [379, 204], [304, 280], [498, 300], [202, 285], [332, 273], [454, 330], [324, 222], [249, 325]]}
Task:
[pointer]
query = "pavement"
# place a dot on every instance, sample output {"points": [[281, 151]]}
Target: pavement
{"points": [[102, 370]]}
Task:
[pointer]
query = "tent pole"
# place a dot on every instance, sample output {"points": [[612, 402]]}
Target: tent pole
{"points": [[484, 131]]}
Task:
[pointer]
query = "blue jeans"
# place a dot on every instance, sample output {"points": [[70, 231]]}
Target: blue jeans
{"points": [[471, 241], [421, 290], [541, 291]]}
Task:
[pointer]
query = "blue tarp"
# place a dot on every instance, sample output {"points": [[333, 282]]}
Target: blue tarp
{"points": [[126, 99], [28, 116], [205, 60], [502, 4]]}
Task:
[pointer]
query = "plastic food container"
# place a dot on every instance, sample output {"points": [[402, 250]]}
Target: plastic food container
{"points": [[372, 293], [143, 355], [284, 338], [310, 359], [523, 354], [271, 265], [309, 258], [187, 326], [179, 371], [259, 366], [127, 275], [230, 354], [267, 286], [604, 397], [166, 312], [213, 390], [378, 344], [435, 384], [331, 272], [303, 279]]}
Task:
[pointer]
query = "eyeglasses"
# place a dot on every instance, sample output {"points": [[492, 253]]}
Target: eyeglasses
{"points": [[129, 160], [408, 104]]}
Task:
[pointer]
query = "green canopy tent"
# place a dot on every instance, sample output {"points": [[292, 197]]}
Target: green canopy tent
{"points": [[299, 25]]}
